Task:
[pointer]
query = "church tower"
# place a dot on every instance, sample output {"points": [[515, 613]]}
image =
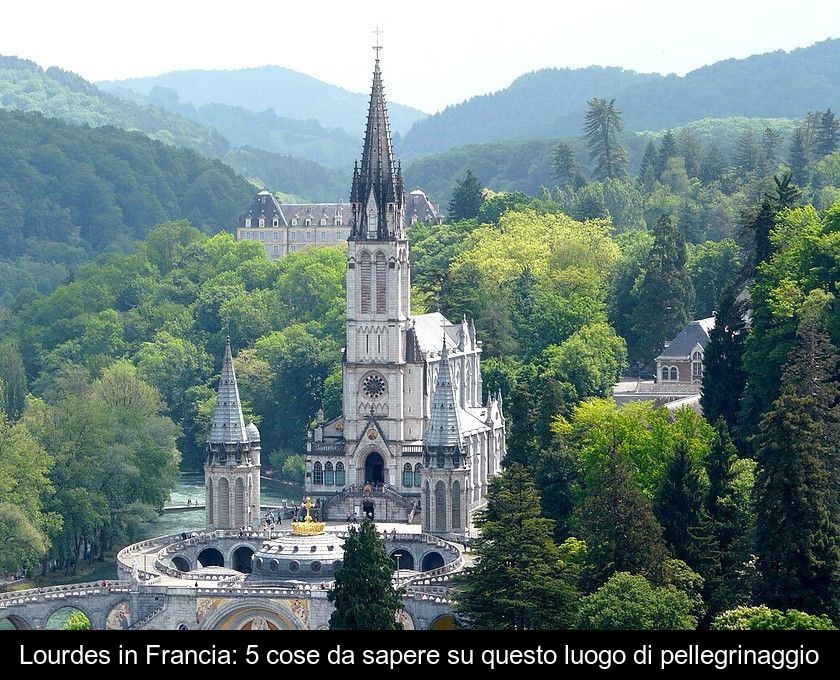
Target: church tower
{"points": [[232, 469], [446, 460], [378, 296]]}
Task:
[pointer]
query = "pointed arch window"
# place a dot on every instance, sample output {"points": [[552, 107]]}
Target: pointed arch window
{"points": [[408, 475], [365, 281], [317, 474], [329, 474], [418, 475], [339, 474], [381, 290], [440, 506], [456, 505]]}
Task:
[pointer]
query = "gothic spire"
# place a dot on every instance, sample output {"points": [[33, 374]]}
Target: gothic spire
{"points": [[444, 428], [228, 426], [377, 193]]}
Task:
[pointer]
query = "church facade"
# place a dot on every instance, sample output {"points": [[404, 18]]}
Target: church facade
{"points": [[386, 456]]}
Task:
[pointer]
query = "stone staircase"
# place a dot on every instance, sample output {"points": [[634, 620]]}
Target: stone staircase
{"points": [[389, 505]]}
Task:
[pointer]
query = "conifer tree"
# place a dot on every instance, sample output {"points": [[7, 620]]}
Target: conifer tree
{"points": [[667, 150], [761, 222], [617, 523], [785, 193], [466, 198], [828, 134], [723, 375], [364, 596], [680, 510], [518, 580], [713, 166], [565, 166], [798, 157], [647, 170], [602, 127], [665, 294]]}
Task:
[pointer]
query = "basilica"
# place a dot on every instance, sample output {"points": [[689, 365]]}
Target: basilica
{"points": [[416, 442]]}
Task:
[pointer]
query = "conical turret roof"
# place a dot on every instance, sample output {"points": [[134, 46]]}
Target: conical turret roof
{"points": [[444, 428], [228, 426]]}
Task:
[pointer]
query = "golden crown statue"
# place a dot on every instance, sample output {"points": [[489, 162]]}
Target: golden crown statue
{"points": [[308, 527]]}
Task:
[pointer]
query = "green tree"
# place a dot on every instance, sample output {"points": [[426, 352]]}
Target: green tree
{"points": [[724, 377], [664, 297], [364, 596], [466, 198], [647, 169], [13, 383], [713, 165], [764, 618], [602, 127], [798, 157], [77, 621], [616, 521], [828, 134], [294, 468], [519, 580], [565, 166], [667, 151], [785, 194], [713, 266], [629, 602]]}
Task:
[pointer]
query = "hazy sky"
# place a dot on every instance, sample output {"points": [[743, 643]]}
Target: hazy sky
{"points": [[435, 52]]}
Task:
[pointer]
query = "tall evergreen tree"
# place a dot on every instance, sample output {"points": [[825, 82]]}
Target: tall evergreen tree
{"points": [[667, 150], [602, 127], [798, 157], [797, 542], [565, 166], [556, 475], [785, 194], [617, 522], [723, 375], [647, 170], [518, 581], [828, 134], [466, 198], [761, 222], [13, 386], [748, 154], [771, 142], [364, 596], [713, 165], [665, 294], [720, 471], [690, 148], [680, 510]]}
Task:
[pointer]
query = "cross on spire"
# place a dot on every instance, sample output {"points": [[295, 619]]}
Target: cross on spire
{"points": [[377, 46]]}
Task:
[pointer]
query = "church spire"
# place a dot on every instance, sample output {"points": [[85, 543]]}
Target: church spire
{"points": [[444, 428], [228, 426], [377, 193]]}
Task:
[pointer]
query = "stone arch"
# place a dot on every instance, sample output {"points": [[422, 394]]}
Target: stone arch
{"points": [[239, 616], [239, 502], [440, 506], [181, 563], [406, 558], [211, 557], [224, 503], [456, 506], [241, 559], [373, 468], [444, 622], [432, 560], [57, 617], [14, 622]]}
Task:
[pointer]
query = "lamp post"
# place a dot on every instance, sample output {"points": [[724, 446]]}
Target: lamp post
{"points": [[397, 558]]}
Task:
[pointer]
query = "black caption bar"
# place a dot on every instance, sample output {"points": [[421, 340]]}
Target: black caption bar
{"points": [[587, 653]]}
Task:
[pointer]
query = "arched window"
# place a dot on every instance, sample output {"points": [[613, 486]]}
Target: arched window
{"points": [[696, 366], [456, 505], [408, 475], [664, 373], [381, 273], [674, 373], [224, 503], [239, 502], [440, 506], [339, 474], [417, 475], [317, 474], [364, 281], [329, 475]]}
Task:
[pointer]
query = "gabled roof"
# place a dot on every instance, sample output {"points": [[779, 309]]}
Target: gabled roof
{"points": [[228, 425], [694, 334]]}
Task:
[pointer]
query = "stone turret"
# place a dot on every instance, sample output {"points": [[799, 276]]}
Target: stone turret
{"points": [[232, 468]]}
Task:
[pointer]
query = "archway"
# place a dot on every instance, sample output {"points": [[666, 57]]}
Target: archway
{"points": [[406, 559], [243, 559], [257, 616], [181, 563], [63, 617], [374, 468], [119, 617], [211, 557], [432, 560], [445, 622], [13, 622]]}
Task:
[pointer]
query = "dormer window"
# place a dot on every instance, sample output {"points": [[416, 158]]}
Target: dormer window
{"points": [[294, 222], [275, 222], [262, 221], [247, 222]]}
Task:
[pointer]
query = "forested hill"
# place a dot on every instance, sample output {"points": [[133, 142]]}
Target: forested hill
{"points": [[89, 189], [551, 102], [25, 86], [288, 93]]}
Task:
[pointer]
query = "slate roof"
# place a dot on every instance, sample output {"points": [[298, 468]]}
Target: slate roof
{"points": [[429, 330], [695, 333], [228, 425], [444, 428], [266, 205]]}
